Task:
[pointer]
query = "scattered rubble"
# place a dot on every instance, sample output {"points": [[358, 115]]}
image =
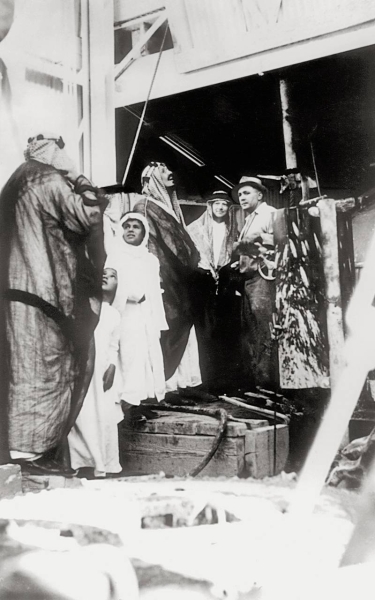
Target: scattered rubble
{"points": [[219, 537]]}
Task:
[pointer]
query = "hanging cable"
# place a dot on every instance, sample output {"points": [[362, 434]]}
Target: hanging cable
{"points": [[144, 110], [315, 170]]}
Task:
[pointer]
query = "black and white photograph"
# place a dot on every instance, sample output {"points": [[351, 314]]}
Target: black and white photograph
{"points": [[187, 299]]}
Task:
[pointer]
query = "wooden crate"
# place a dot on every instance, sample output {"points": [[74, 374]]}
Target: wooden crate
{"points": [[176, 443], [259, 451]]}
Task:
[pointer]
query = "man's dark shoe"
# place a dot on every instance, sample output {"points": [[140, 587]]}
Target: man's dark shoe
{"points": [[43, 466], [86, 473]]}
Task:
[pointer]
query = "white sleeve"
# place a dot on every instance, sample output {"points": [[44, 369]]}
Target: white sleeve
{"points": [[114, 340], [157, 296]]}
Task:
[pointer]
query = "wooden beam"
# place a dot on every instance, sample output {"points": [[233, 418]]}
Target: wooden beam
{"points": [[102, 113], [134, 85], [135, 52], [342, 206], [83, 79], [264, 412], [134, 23], [179, 24], [290, 155], [335, 328], [345, 205], [125, 10], [346, 258], [236, 41], [359, 353]]}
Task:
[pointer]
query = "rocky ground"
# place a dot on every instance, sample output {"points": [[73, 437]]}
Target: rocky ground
{"points": [[223, 538]]}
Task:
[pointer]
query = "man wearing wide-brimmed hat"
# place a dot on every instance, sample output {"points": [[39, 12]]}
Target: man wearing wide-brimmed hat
{"points": [[256, 239], [250, 193]]}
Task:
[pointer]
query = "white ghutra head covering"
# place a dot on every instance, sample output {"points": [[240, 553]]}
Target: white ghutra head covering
{"points": [[132, 216], [47, 148], [153, 186]]}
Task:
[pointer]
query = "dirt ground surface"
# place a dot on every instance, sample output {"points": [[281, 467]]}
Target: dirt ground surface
{"points": [[206, 538]]}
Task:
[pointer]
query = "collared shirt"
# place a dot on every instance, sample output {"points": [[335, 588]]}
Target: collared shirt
{"points": [[258, 222]]}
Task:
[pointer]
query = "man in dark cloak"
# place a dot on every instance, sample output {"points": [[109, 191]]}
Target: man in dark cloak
{"points": [[171, 244], [217, 306], [51, 241]]}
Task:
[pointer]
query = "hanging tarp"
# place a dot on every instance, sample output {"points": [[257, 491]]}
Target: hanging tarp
{"points": [[300, 305]]}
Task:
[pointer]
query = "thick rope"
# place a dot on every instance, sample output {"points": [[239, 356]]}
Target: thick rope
{"points": [[209, 412]]}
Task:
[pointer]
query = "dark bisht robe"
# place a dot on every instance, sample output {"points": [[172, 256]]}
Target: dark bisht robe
{"points": [[217, 308], [52, 256], [178, 257]]}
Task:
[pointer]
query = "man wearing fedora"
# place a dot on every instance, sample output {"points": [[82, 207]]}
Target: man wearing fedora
{"points": [[258, 296]]}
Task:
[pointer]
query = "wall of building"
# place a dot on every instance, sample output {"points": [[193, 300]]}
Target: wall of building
{"points": [[42, 84], [57, 66]]}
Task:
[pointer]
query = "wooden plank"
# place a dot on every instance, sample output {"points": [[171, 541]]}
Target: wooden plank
{"points": [[147, 453], [330, 251], [346, 258], [179, 25], [134, 85], [185, 424], [311, 24], [280, 229], [256, 409], [252, 423], [259, 451], [290, 155], [126, 11], [232, 466], [176, 445], [345, 205], [135, 52], [214, 19], [102, 113]]}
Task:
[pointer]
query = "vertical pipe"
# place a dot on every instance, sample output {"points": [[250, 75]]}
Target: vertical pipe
{"points": [[290, 155]]}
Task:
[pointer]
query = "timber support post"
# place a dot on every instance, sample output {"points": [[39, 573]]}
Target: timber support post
{"points": [[102, 91], [335, 328], [290, 155]]}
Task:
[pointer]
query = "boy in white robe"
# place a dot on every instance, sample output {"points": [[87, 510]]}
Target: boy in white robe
{"points": [[93, 441], [139, 300]]}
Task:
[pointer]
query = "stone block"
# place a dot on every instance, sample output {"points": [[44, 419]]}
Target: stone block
{"points": [[10, 481], [37, 483]]}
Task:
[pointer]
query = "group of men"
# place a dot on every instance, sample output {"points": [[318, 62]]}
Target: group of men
{"points": [[51, 238]]}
